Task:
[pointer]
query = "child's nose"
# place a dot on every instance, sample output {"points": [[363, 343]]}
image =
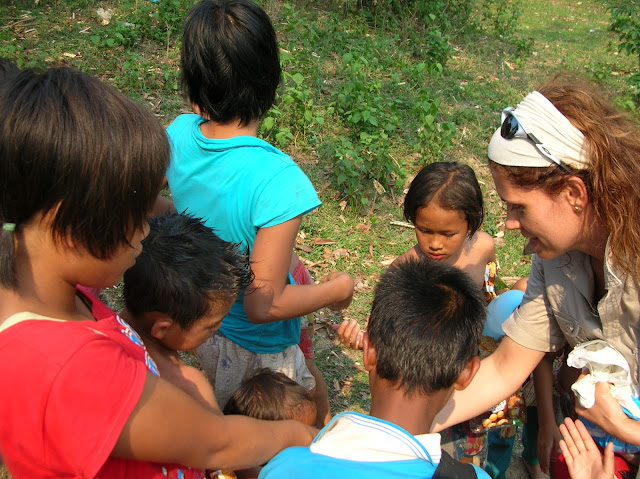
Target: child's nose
{"points": [[435, 243]]}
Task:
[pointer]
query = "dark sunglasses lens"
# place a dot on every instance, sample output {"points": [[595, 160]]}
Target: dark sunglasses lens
{"points": [[509, 127]]}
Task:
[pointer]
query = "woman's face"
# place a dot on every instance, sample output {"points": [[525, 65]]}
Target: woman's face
{"points": [[547, 221]]}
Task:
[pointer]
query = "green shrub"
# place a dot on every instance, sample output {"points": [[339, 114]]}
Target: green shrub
{"points": [[501, 15], [625, 20]]}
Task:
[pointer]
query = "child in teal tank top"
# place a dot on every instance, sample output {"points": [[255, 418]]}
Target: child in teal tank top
{"points": [[247, 190]]}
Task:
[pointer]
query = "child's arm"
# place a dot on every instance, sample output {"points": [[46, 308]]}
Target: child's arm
{"points": [[168, 425], [581, 454], [162, 205], [548, 433], [269, 297], [198, 386]]}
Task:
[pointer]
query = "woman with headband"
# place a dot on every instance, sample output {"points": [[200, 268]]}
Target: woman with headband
{"points": [[567, 164]]}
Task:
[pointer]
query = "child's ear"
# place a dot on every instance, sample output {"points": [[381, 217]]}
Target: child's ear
{"points": [[467, 373], [369, 353], [196, 109], [160, 324]]}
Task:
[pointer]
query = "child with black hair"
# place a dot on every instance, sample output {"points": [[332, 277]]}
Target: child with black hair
{"points": [[182, 285], [421, 344], [444, 203], [81, 168], [252, 193]]}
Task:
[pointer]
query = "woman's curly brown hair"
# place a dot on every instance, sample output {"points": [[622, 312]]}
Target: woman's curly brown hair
{"points": [[613, 176]]}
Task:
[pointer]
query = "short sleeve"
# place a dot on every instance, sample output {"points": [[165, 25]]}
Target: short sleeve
{"points": [[288, 194], [532, 324], [89, 403]]}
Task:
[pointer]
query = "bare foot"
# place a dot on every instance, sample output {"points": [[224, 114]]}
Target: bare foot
{"points": [[534, 471]]}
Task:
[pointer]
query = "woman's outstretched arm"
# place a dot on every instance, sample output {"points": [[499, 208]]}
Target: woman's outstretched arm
{"points": [[499, 376]]}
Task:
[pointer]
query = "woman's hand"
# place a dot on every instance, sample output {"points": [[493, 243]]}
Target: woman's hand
{"points": [[581, 454], [608, 414], [606, 409]]}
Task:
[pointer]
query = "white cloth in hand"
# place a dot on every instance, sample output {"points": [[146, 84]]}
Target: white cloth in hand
{"points": [[604, 364]]}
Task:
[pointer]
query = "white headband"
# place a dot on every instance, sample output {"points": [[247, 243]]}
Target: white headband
{"points": [[552, 128]]}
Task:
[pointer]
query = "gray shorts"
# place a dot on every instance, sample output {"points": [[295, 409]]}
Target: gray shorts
{"points": [[227, 364]]}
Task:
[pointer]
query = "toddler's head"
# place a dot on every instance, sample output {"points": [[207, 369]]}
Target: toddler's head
{"points": [[273, 396], [230, 60], [449, 185], [425, 325], [184, 281], [82, 160]]}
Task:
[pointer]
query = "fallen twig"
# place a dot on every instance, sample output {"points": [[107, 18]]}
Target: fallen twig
{"points": [[401, 223]]}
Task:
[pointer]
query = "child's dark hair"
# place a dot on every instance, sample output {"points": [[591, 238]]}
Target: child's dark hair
{"points": [[453, 186], [425, 325], [73, 146], [270, 395], [7, 69], [230, 60], [184, 269]]}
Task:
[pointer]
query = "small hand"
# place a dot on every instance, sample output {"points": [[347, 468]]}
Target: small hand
{"points": [[349, 334], [548, 439], [581, 454], [345, 285]]}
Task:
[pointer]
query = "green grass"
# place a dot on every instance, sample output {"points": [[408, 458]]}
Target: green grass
{"points": [[314, 115]]}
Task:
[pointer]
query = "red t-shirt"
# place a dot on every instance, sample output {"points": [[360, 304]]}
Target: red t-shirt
{"points": [[67, 389]]}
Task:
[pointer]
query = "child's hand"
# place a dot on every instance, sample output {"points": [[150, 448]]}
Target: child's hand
{"points": [[548, 439], [581, 454], [344, 283], [349, 334]]}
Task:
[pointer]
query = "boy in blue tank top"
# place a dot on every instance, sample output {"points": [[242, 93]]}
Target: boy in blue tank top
{"points": [[421, 344], [251, 193]]}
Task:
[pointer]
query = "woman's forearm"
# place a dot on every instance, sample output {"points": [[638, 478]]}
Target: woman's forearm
{"points": [[499, 376]]}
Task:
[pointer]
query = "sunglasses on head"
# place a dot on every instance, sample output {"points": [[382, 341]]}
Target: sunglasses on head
{"points": [[512, 128]]}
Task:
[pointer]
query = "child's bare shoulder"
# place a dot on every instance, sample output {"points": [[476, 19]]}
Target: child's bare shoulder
{"points": [[483, 246], [412, 253]]}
